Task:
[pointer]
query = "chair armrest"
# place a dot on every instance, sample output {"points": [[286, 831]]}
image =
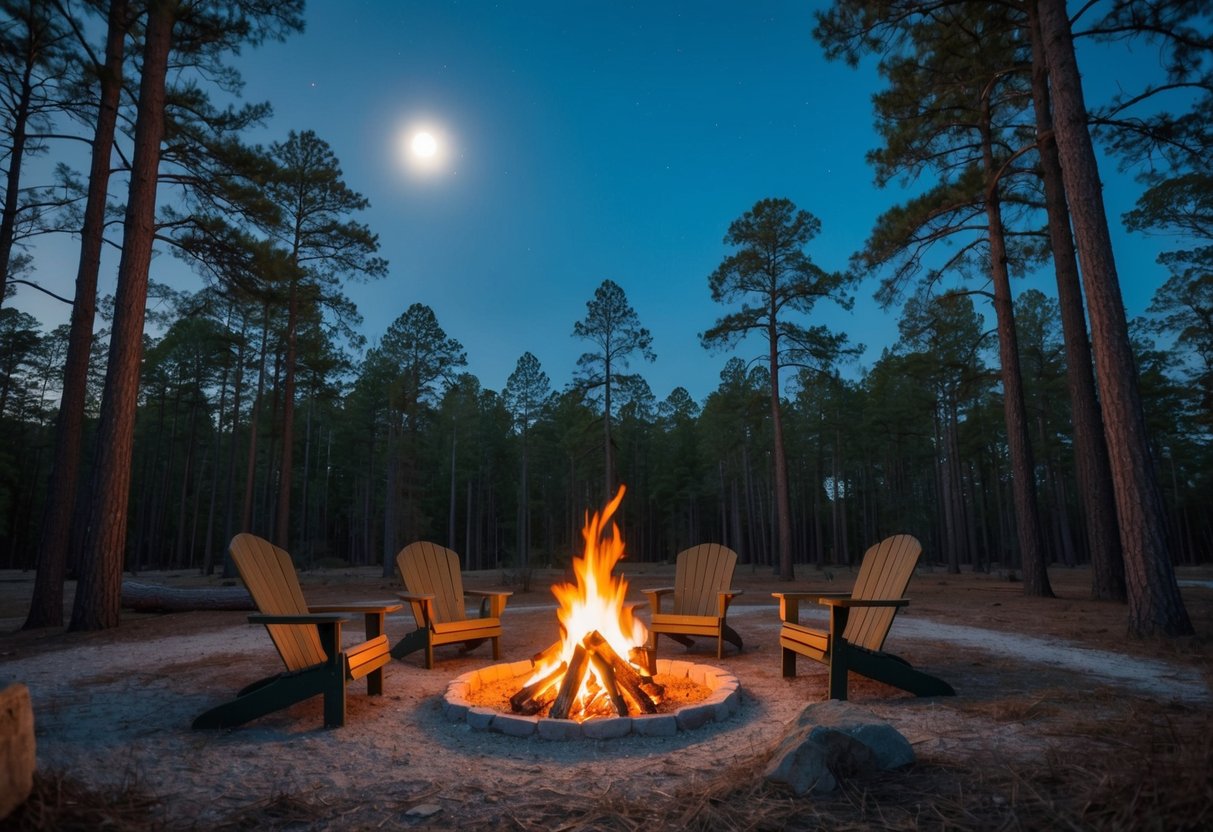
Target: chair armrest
{"points": [[493, 599], [372, 612], [655, 596], [367, 607], [298, 618], [863, 602], [789, 602], [725, 598], [425, 601]]}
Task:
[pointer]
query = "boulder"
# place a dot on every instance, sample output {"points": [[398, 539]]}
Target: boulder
{"points": [[17, 754], [835, 740]]}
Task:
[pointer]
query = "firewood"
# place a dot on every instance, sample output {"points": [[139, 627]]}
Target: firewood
{"points": [[644, 658], [529, 691], [548, 653], [626, 677], [539, 701], [571, 684], [607, 674]]}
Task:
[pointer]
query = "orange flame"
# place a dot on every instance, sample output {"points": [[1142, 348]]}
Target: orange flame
{"points": [[596, 600]]}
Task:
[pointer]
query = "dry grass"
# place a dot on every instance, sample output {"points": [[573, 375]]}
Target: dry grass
{"points": [[61, 804], [1144, 770]]}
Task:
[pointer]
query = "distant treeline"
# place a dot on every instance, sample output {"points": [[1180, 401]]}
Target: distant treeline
{"points": [[1065, 435], [394, 451]]}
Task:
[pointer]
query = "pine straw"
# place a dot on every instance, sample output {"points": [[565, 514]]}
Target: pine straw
{"points": [[60, 804], [1146, 768]]}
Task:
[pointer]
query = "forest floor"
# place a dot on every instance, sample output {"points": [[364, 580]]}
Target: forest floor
{"points": [[1060, 721]]}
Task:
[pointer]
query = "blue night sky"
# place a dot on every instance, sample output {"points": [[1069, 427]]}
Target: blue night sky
{"points": [[581, 141]]}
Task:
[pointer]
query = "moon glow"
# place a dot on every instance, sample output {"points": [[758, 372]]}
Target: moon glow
{"points": [[424, 145]]}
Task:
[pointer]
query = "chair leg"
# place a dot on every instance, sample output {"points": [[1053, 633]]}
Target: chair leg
{"points": [[275, 694], [374, 683], [411, 643], [789, 663], [838, 669], [496, 648], [429, 654], [334, 704]]}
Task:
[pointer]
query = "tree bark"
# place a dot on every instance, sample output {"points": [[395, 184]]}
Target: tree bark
{"points": [[282, 525], [1019, 444], [1155, 605], [46, 606], [783, 519], [1093, 471], [99, 593]]}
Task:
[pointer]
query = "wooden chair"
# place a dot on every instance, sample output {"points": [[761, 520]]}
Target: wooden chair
{"points": [[307, 638], [435, 592], [859, 624], [702, 575]]}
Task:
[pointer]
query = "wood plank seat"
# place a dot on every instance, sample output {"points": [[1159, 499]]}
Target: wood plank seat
{"points": [[307, 638], [859, 624], [701, 599], [435, 593]]}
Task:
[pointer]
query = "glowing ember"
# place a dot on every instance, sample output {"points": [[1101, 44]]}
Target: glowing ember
{"points": [[597, 637]]}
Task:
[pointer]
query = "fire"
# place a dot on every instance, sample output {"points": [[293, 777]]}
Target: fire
{"points": [[590, 612]]}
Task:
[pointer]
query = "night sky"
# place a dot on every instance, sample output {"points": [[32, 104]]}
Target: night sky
{"points": [[581, 141]]}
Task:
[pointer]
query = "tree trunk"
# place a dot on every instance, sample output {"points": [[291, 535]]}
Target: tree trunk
{"points": [[16, 153], [250, 465], [282, 525], [99, 592], [1023, 467], [608, 457], [46, 606], [1093, 472], [1155, 605], [783, 519]]}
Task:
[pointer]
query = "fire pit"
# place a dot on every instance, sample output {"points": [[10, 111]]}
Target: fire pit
{"points": [[597, 680], [722, 701]]}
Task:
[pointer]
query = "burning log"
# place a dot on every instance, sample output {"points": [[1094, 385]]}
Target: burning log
{"points": [[606, 673], [644, 658], [571, 684], [626, 676], [533, 698], [549, 652]]}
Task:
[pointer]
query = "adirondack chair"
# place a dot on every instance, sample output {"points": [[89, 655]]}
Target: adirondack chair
{"points": [[702, 575], [307, 638], [435, 592], [859, 623]]}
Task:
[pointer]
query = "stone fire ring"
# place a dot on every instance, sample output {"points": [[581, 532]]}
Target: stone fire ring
{"points": [[723, 701]]}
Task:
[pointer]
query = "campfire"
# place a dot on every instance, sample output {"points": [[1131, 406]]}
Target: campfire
{"points": [[599, 667]]}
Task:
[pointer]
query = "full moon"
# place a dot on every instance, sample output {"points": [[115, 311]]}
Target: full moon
{"points": [[424, 145]]}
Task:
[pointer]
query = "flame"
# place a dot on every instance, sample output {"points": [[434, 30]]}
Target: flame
{"points": [[595, 602]]}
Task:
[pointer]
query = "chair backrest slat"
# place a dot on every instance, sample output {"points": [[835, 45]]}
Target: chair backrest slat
{"points": [[700, 574], [883, 576], [270, 576], [429, 569]]}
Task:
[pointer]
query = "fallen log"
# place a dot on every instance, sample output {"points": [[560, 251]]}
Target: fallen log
{"points": [[143, 597]]}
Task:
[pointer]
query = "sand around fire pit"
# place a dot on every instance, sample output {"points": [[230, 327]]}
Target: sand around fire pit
{"points": [[1059, 718]]}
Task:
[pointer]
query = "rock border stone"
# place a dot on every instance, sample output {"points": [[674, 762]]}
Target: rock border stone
{"points": [[722, 702]]}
